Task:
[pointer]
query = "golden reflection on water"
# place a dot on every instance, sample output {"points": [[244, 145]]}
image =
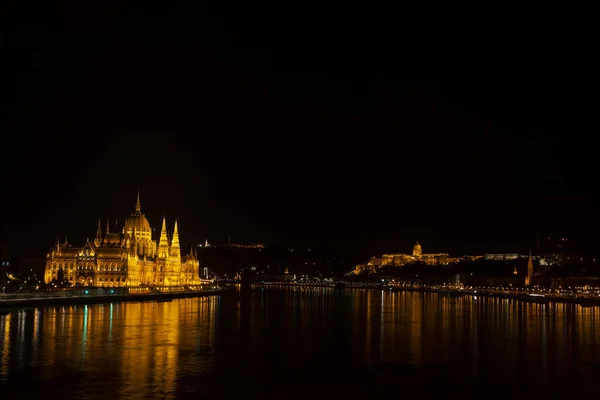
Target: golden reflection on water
{"points": [[5, 332], [142, 346], [151, 349], [424, 328]]}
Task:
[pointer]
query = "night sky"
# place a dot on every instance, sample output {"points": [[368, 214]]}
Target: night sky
{"points": [[469, 129]]}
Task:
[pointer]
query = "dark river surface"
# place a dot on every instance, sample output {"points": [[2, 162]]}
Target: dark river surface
{"points": [[300, 342]]}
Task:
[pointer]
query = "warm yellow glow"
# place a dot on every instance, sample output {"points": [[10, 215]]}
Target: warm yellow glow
{"points": [[35, 341], [140, 342], [130, 258], [529, 276], [5, 328]]}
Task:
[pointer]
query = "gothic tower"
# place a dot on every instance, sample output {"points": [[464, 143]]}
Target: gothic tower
{"points": [[529, 275], [175, 250], [98, 239], [163, 242]]}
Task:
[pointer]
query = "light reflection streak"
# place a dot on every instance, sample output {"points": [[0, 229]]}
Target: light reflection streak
{"points": [[35, 342], [20, 348], [110, 322], [369, 323], [5, 329], [84, 330], [154, 347]]}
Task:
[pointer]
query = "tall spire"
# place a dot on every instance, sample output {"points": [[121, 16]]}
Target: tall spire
{"points": [[138, 207], [175, 239], [529, 276], [175, 250], [107, 230], [163, 241], [98, 238]]}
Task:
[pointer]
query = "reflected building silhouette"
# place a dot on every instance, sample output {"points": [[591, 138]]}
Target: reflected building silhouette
{"points": [[35, 341], [140, 347], [214, 346], [414, 318], [5, 329], [20, 341]]}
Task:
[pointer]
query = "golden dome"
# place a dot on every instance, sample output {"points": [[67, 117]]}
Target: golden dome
{"points": [[137, 221], [417, 252]]}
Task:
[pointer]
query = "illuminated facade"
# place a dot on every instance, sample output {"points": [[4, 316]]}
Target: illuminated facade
{"points": [[398, 260], [248, 246], [129, 258], [417, 255], [529, 276]]}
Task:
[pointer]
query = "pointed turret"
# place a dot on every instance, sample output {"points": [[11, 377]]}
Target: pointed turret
{"points": [[98, 233], [138, 207], [529, 275], [175, 239], [164, 226], [107, 227], [163, 242], [175, 250]]}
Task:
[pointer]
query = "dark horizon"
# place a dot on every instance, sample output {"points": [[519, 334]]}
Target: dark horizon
{"points": [[313, 129]]}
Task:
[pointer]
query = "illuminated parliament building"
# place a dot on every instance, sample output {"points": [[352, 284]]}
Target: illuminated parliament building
{"points": [[129, 258]]}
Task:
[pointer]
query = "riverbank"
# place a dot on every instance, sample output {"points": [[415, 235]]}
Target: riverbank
{"points": [[531, 297], [49, 301], [525, 296]]}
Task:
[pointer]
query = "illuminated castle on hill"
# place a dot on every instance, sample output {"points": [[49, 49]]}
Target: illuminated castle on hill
{"points": [[397, 260], [129, 258]]}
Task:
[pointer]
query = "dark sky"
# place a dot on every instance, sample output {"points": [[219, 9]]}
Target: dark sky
{"points": [[466, 128]]}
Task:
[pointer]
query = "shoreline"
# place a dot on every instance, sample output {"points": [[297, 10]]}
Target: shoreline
{"points": [[448, 292], [524, 297], [50, 301]]}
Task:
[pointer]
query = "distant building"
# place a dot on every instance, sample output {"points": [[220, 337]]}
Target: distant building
{"points": [[416, 256], [287, 276], [129, 258], [560, 259], [504, 257], [529, 276], [5, 258], [248, 246], [6, 263], [398, 260]]}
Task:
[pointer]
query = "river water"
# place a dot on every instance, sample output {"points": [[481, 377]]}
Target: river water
{"points": [[299, 342]]}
